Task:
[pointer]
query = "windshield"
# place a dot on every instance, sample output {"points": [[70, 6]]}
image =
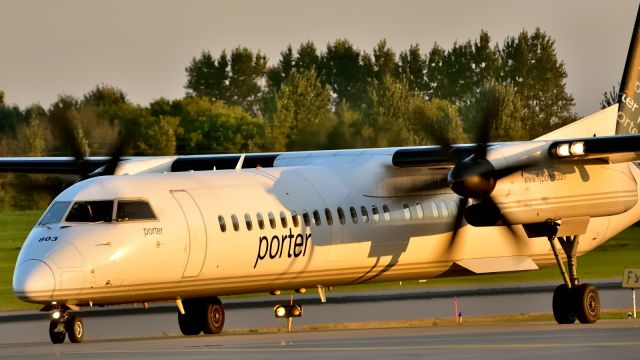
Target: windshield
{"points": [[91, 211], [55, 213], [134, 210]]}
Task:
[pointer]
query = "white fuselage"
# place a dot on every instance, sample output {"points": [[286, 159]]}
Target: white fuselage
{"points": [[233, 232]]}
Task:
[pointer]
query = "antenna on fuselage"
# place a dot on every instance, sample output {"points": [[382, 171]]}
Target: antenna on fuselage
{"points": [[240, 162]]}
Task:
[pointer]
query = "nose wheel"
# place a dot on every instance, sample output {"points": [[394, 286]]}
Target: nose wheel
{"points": [[64, 324]]}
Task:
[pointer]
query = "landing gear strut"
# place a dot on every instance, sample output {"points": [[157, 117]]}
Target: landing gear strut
{"points": [[571, 300], [63, 324], [201, 315]]}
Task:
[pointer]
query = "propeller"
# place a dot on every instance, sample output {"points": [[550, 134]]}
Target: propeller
{"points": [[63, 124], [475, 178], [64, 127]]}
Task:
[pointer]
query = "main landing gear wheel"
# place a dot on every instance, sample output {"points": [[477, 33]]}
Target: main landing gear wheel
{"points": [[587, 303], [201, 315], [563, 305], [57, 332], [214, 317], [189, 322], [571, 300]]}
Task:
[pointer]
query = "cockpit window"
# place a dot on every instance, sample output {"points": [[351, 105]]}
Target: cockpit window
{"points": [[91, 211], [55, 213], [134, 210]]}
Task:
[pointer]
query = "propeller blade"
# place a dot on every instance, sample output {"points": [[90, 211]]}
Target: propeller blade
{"points": [[116, 155], [63, 124], [507, 224], [457, 223]]}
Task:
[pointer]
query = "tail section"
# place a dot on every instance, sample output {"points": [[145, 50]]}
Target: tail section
{"points": [[620, 119], [629, 96]]}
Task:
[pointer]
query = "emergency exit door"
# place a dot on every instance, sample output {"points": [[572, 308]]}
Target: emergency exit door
{"points": [[196, 230]]}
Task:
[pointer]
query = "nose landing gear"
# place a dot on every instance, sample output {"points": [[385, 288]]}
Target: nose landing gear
{"points": [[62, 324]]}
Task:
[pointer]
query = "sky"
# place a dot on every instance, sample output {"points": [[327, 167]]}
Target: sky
{"points": [[51, 47]]}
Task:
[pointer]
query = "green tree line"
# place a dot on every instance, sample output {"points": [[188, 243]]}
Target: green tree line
{"points": [[310, 98]]}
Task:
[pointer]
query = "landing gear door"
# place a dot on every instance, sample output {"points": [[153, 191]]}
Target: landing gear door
{"points": [[197, 233]]}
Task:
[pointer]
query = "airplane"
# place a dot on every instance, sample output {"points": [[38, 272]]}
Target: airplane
{"points": [[190, 229]]}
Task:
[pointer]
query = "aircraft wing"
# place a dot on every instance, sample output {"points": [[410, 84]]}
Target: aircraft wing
{"points": [[610, 149], [70, 166]]}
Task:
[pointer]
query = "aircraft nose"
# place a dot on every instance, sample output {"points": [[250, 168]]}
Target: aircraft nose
{"points": [[33, 280]]}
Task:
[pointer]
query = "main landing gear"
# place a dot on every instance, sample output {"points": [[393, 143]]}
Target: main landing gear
{"points": [[571, 300], [201, 315], [62, 324]]}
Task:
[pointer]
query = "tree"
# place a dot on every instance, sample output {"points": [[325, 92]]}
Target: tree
{"points": [[342, 134], [505, 109], [385, 122], [346, 72], [413, 69], [530, 64], [459, 73], [609, 97], [384, 61], [302, 113], [279, 73], [436, 72], [208, 77], [434, 120], [27, 191], [307, 57], [103, 96], [213, 127], [485, 60], [276, 75], [247, 71]]}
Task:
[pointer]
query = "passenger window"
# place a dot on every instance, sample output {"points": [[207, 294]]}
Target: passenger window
{"points": [[328, 216], [354, 215], [283, 219], [223, 224], [386, 212], [443, 209], [260, 221], [272, 220], [295, 219], [434, 210], [234, 221], [91, 211], [407, 211], [305, 218], [376, 214], [247, 221], [341, 216], [365, 214], [419, 210], [134, 210], [316, 218]]}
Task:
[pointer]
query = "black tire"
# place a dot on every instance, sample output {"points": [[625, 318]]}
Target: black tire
{"points": [[74, 327], [190, 322], [214, 317], [587, 303], [56, 336], [562, 304]]}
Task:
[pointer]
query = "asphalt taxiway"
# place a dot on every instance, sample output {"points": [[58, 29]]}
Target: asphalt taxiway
{"points": [[613, 339], [139, 334]]}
